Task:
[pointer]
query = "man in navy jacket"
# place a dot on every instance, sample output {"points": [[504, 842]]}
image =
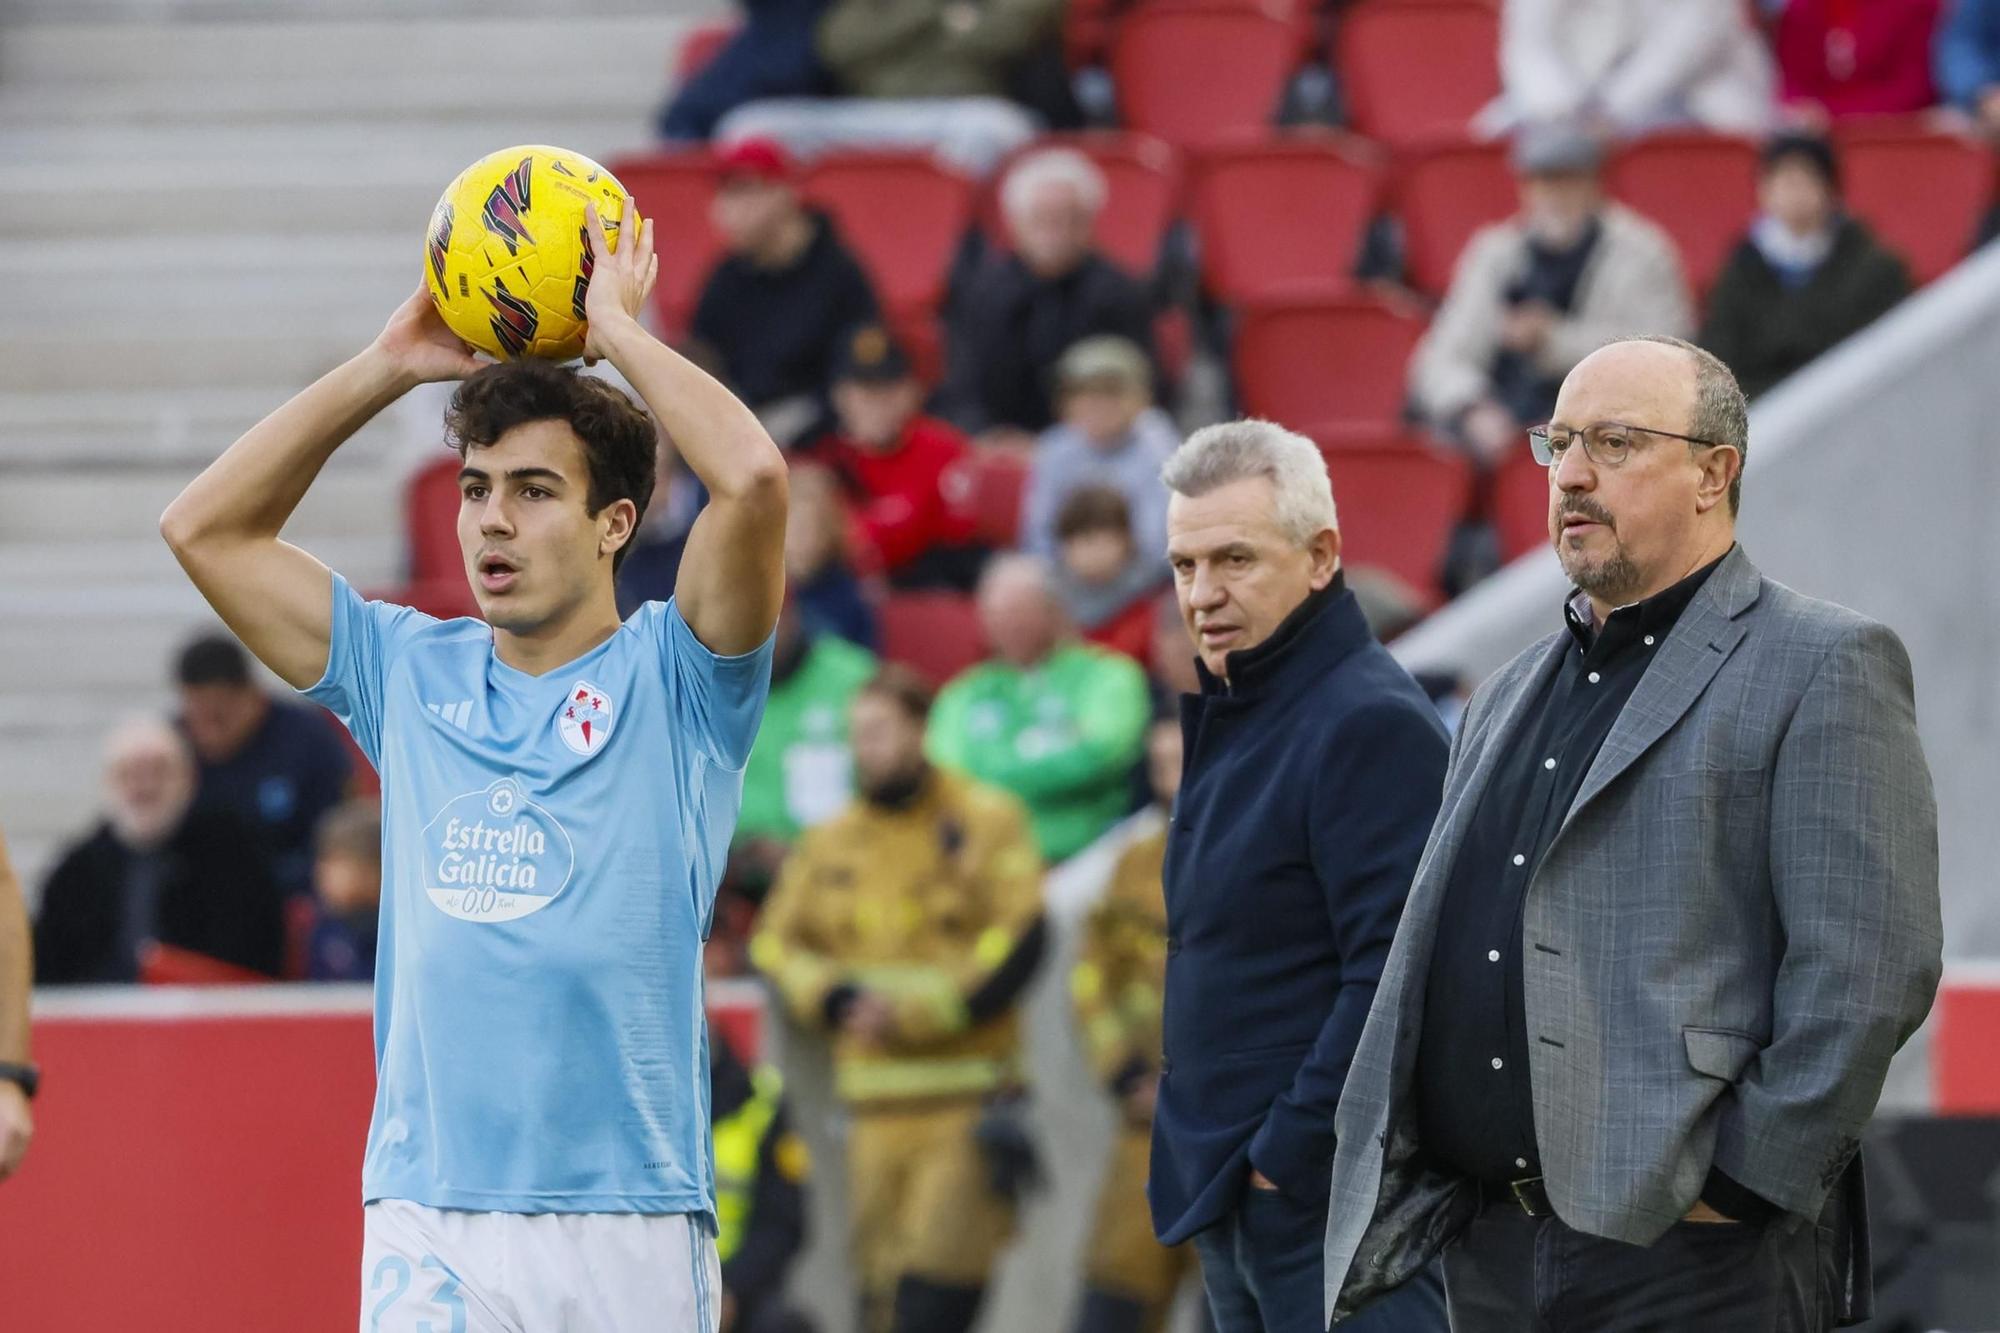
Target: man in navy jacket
{"points": [[1314, 770]]}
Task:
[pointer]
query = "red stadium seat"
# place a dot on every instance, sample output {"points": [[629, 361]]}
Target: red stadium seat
{"points": [[999, 479], [704, 41], [1197, 74], [1087, 26], [1398, 501], [902, 214], [935, 633], [170, 965], [1335, 362], [1142, 178], [676, 191], [1922, 191], [445, 598], [1519, 504], [1413, 72], [1701, 188], [1283, 216], [430, 521], [1443, 195]]}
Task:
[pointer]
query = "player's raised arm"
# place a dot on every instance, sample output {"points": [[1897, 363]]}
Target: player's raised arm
{"points": [[224, 527], [732, 577]]}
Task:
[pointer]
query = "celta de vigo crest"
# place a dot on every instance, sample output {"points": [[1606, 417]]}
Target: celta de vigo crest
{"points": [[585, 719]]}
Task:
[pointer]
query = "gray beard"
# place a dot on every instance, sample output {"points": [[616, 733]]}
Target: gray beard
{"points": [[1612, 580]]}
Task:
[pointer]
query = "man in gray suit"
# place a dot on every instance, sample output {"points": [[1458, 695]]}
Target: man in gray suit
{"points": [[1678, 912]]}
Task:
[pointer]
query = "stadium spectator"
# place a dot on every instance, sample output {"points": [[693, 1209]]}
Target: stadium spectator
{"points": [[1118, 986], [1172, 662], [1313, 773], [1534, 295], [1014, 316], [800, 769], [347, 887], [1806, 276], [157, 872], [905, 473], [818, 574], [653, 559], [773, 312], [771, 55], [1629, 66], [1670, 1097], [274, 764], [1841, 58], [19, 1080], [908, 927], [933, 74], [1968, 61], [761, 1167], [1105, 581], [1057, 722], [1108, 433]]}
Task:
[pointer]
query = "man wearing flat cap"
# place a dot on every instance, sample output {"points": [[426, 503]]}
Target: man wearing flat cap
{"points": [[1533, 295]]}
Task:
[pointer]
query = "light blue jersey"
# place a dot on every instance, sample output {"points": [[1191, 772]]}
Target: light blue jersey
{"points": [[550, 852]]}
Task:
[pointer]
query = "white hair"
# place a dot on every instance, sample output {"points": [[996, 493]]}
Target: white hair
{"points": [[1052, 166], [143, 734], [1230, 451]]}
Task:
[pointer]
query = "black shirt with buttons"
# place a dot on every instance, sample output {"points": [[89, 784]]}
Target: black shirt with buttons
{"points": [[1475, 1107]]}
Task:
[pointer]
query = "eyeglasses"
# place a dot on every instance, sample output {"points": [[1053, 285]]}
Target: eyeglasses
{"points": [[1607, 444]]}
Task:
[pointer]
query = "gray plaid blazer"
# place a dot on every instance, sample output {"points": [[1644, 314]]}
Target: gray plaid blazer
{"points": [[1734, 929]]}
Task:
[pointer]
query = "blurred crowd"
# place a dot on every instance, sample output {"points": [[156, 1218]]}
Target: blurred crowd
{"points": [[887, 871]]}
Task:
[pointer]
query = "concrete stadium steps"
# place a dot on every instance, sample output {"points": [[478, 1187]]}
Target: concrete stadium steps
{"points": [[65, 577], [289, 11], [275, 197], [43, 507], [564, 52], [70, 280]]}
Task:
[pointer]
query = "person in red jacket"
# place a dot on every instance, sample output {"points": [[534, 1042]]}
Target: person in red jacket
{"points": [[907, 475], [1855, 57]]}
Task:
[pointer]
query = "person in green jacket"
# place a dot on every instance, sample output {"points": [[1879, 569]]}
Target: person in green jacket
{"points": [[798, 772], [1056, 721]]}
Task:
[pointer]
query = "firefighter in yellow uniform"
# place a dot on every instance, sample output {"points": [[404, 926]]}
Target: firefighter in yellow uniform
{"points": [[1117, 985], [909, 925]]}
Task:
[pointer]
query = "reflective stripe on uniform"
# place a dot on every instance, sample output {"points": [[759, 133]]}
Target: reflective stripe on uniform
{"points": [[861, 1078], [738, 1141]]}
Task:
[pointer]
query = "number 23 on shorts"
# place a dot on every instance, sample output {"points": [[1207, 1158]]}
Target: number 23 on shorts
{"points": [[391, 1281]]}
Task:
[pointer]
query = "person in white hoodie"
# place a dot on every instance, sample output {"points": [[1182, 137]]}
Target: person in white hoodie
{"points": [[1629, 66]]}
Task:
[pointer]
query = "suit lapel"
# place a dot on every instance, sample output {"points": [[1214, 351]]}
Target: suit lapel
{"points": [[1700, 643]]}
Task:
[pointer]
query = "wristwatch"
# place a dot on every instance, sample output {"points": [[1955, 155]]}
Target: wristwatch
{"points": [[27, 1077]]}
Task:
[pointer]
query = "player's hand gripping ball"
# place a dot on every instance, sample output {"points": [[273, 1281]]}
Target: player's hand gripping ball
{"points": [[507, 257]]}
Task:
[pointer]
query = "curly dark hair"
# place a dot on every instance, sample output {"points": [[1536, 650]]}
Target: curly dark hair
{"points": [[620, 443]]}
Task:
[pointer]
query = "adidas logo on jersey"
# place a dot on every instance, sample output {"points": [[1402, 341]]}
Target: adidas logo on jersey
{"points": [[457, 714]]}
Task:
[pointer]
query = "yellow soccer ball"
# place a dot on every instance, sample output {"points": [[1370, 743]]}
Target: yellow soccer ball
{"points": [[507, 256]]}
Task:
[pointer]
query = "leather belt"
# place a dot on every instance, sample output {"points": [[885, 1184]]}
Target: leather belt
{"points": [[1529, 1194]]}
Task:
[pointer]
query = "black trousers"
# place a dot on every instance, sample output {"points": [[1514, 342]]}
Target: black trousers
{"points": [[1511, 1273]]}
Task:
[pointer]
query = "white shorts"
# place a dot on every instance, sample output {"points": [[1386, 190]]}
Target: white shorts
{"points": [[431, 1270]]}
